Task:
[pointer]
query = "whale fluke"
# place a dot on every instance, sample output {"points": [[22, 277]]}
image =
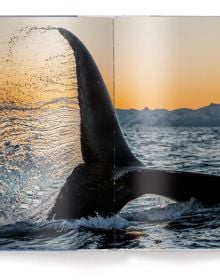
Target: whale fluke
{"points": [[111, 176]]}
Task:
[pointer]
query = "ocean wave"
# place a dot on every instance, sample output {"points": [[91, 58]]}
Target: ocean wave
{"points": [[117, 222], [62, 226]]}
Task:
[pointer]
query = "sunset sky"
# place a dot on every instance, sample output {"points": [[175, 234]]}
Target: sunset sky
{"points": [[167, 62], [160, 62]]}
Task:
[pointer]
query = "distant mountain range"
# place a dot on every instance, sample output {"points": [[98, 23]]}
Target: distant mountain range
{"points": [[205, 116]]}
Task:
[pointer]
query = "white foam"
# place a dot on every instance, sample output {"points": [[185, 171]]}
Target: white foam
{"points": [[98, 222]]}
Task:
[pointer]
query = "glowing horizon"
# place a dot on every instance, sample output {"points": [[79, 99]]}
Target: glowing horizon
{"points": [[161, 108]]}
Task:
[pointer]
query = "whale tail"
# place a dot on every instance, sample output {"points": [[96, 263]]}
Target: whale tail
{"points": [[111, 176], [90, 187]]}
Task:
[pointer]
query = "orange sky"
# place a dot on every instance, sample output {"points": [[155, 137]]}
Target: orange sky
{"points": [[160, 62], [167, 62]]}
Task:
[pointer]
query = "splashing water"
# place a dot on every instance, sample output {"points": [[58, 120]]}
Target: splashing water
{"points": [[40, 122]]}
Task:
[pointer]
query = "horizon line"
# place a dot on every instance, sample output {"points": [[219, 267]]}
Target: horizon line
{"points": [[179, 108]]}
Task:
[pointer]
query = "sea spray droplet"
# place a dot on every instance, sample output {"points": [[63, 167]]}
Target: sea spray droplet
{"points": [[39, 121]]}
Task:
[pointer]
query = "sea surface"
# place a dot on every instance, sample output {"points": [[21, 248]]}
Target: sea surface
{"points": [[38, 152]]}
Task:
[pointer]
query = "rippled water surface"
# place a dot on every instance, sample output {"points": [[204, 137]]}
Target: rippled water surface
{"points": [[37, 155]]}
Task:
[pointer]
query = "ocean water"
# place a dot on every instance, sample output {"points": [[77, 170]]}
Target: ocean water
{"points": [[37, 154]]}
